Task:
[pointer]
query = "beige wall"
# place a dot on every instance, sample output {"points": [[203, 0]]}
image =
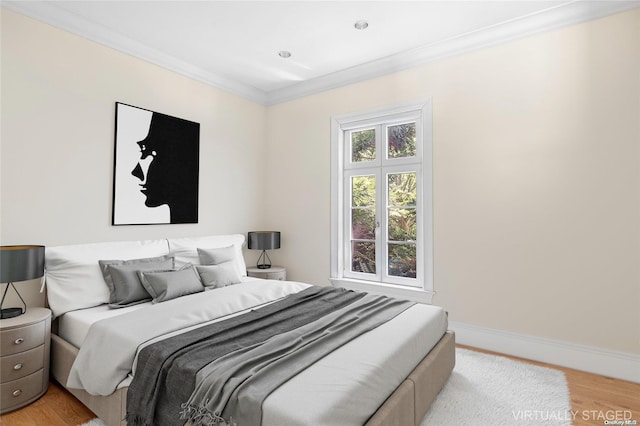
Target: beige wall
{"points": [[536, 167], [536, 181], [58, 108]]}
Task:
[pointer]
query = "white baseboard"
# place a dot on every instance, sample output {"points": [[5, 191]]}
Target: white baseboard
{"points": [[619, 365]]}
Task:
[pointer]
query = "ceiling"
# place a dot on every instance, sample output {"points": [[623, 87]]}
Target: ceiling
{"points": [[234, 45]]}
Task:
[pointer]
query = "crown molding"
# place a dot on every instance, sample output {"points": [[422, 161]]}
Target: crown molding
{"points": [[48, 12], [556, 17]]}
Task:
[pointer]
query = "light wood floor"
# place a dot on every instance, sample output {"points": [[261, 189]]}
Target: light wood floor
{"points": [[592, 397]]}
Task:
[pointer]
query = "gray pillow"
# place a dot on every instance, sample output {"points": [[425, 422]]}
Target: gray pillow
{"points": [[167, 285], [216, 276], [122, 280], [216, 256]]}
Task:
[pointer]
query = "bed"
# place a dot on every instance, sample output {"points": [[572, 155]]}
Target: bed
{"points": [[408, 358]]}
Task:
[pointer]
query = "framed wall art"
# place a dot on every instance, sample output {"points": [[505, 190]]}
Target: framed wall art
{"points": [[156, 168]]}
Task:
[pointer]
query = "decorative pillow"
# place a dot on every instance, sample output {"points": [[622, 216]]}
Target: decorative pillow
{"points": [[167, 285], [185, 250], [216, 256], [216, 276], [73, 276], [122, 279]]}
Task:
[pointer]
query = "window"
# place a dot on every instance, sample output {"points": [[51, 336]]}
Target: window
{"points": [[381, 201]]}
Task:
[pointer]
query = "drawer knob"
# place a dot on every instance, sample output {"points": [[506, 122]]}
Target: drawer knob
{"points": [[17, 392], [17, 367], [19, 340]]}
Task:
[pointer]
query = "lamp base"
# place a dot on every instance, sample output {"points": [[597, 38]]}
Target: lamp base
{"points": [[11, 313], [264, 262]]}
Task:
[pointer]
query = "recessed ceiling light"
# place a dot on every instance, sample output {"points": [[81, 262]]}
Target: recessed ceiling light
{"points": [[361, 24], [284, 54]]}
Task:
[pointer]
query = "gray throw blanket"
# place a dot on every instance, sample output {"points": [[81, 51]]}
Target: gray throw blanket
{"points": [[166, 371], [239, 362], [231, 390]]}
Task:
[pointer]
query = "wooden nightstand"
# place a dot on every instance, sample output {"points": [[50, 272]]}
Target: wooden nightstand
{"points": [[273, 273], [24, 358]]}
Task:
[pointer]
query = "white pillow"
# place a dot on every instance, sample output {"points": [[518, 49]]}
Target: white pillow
{"points": [[220, 275], [185, 250], [215, 256], [167, 285], [74, 279]]}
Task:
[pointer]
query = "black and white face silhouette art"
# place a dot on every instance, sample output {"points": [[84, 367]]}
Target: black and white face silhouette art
{"points": [[156, 168]]}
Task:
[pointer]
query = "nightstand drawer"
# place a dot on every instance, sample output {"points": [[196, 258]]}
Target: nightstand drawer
{"points": [[24, 358], [273, 273], [18, 392], [281, 276], [22, 339], [16, 366]]}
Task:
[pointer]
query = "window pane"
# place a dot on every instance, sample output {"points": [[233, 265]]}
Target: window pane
{"points": [[402, 189], [363, 145], [401, 140], [402, 260], [363, 191], [363, 224], [363, 257], [402, 224]]}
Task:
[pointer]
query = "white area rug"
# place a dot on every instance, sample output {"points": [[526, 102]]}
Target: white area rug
{"points": [[492, 390], [94, 422]]}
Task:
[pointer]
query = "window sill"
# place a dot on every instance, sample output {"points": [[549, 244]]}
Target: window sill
{"points": [[414, 294]]}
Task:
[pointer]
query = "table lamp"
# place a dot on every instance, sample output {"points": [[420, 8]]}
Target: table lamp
{"points": [[264, 240], [19, 263]]}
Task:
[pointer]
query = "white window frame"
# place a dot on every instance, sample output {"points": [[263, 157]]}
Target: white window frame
{"points": [[342, 169]]}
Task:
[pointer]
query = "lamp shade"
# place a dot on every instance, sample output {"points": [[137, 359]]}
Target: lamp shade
{"points": [[21, 263], [264, 240]]}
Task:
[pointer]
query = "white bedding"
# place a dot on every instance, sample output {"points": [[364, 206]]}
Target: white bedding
{"points": [[349, 384], [74, 326]]}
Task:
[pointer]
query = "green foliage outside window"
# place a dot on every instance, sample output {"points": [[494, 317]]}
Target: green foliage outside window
{"points": [[363, 145], [402, 140], [363, 223], [402, 260], [401, 222]]}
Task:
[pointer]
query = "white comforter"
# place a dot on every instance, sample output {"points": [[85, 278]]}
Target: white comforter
{"points": [[107, 354]]}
